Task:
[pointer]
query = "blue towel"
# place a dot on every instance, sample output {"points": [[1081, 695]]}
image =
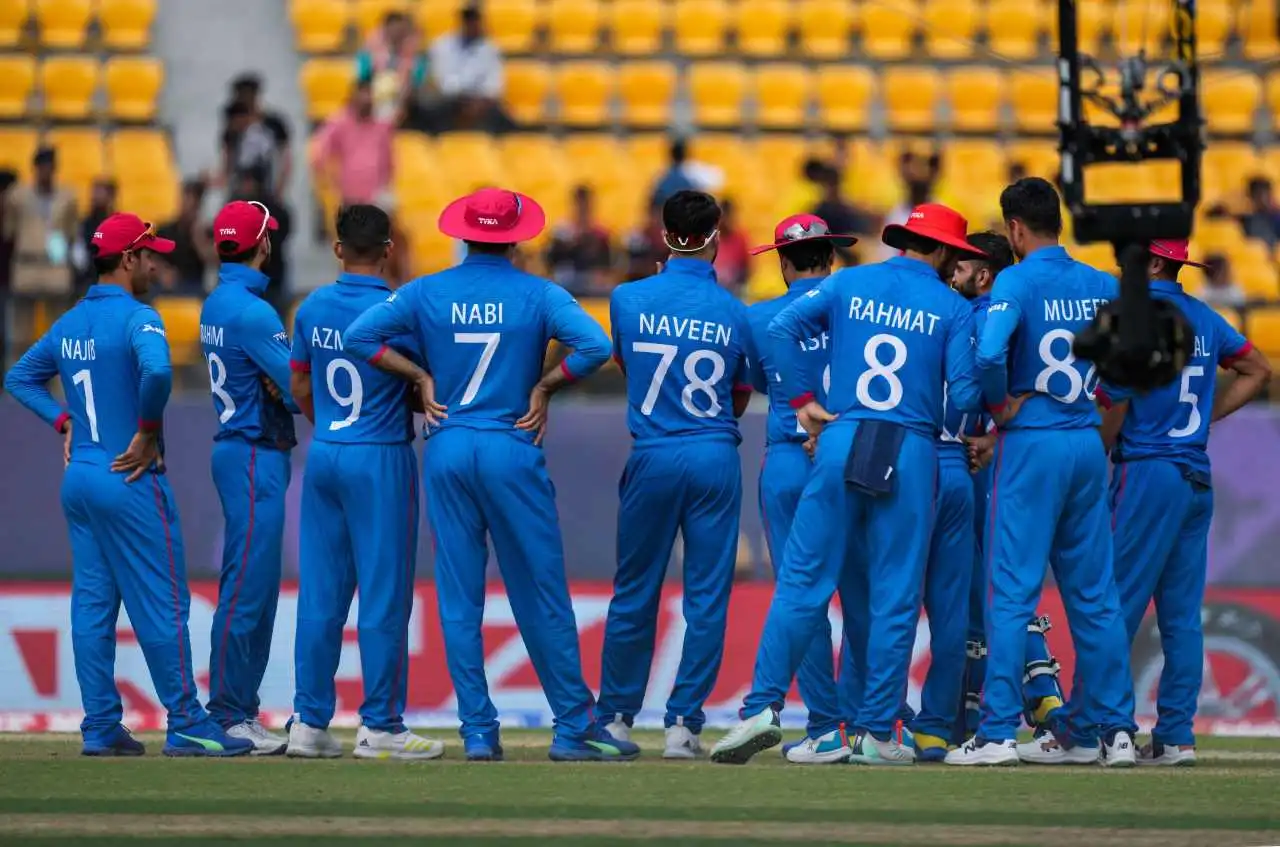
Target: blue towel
{"points": [[873, 457]]}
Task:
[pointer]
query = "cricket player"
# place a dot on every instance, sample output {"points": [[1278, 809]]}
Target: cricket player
{"points": [[1162, 497], [110, 354], [247, 350], [483, 329], [359, 508], [897, 334], [683, 343], [1048, 490], [806, 253]]}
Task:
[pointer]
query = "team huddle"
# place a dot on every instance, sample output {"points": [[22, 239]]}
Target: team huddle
{"points": [[932, 443]]}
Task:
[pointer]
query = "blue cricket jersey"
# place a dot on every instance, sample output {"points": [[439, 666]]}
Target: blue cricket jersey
{"points": [[1037, 307], [898, 333], [243, 339], [957, 423], [1172, 422], [483, 329], [683, 342], [781, 425], [355, 403], [112, 357]]}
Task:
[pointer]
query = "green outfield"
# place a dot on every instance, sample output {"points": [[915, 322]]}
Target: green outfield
{"points": [[50, 795]]}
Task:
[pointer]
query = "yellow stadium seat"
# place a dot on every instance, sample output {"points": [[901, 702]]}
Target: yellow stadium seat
{"points": [[782, 94], [1213, 28], [17, 78], [1273, 97], [513, 24], [573, 26], [976, 96], [1222, 235], [1254, 270], [825, 28], [716, 89], [81, 156], [763, 26], [1263, 325], [700, 26], [1015, 27], [526, 83], [1257, 28], [584, 90], [950, 27], [437, 17], [1033, 94], [888, 28], [646, 90], [911, 98], [326, 85], [181, 318], [13, 17], [68, 83], [1040, 158], [1141, 24], [368, 14], [17, 147], [1232, 317], [64, 24], [320, 26], [1224, 168], [126, 24], [592, 158], [637, 26], [133, 87], [472, 159], [1093, 21], [844, 94], [1230, 101], [781, 153], [140, 153]]}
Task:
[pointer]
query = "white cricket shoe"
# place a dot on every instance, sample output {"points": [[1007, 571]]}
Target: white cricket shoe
{"points": [[1166, 755], [681, 743], [748, 737], [619, 729], [307, 742], [403, 745], [1045, 749], [866, 749], [1119, 751], [982, 753], [829, 749], [264, 743]]}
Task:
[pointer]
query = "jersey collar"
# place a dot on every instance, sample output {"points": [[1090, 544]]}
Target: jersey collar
{"points": [[801, 286], [913, 266], [235, 274], [363, 280], [1053, 252], [690, 267], [105, 289], [1167, 286], [488, 260]]}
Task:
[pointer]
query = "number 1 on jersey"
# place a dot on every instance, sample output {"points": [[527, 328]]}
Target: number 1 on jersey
{"points": [[490, 341], [85, 380]]}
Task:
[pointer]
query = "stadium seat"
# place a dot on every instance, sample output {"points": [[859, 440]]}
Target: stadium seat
{"points": [[81, 155], [910, 98], [17, 79], [716, 90], [646, 90], [326, 85], [1213, 28], [1093, 21], [368, 14], [126, 24], [1263, 326], [1015, 27], [782, 94], [637, 26], [13, 18], [573, 26], [133, 87], [68, 83], [762, 26], [513, 24], [1040, 158], [1141, 25], [888, 28], [844, 94], [585, 90], [320, 26], [64, 24], [535, 166], [17, 148], [1033, 95], [592, 158], [1218, 235], [1254, 270], [472, 158], [1257, 29], [700, 26], [1230, 101], [976, 96], [524, 91], [181, 317], [437, 17], [138, 153], [825, 28], [950, 27]]}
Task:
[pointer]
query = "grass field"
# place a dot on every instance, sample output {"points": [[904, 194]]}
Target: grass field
{"points": [[50, 795]]}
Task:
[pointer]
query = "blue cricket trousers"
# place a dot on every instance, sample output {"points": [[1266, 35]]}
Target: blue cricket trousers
{"points": [[1160, 528], [126, 545], [692, 486], [495, 482], [895, 532], [360, 520], [782, 479], [251, 480], [1048, 503]]}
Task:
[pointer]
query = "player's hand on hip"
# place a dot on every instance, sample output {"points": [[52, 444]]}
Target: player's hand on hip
{"points": [[813, 418], [272, 389], [1010, 410], [433, 411], [981, 450], [811, 446], [143, 453], [535, 420], [66, 443]]}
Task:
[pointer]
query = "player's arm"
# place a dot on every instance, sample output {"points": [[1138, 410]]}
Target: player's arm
{"points": [[613, 332], [748, 364], [267, 345], [28, 382], [807, 317], [569, 324], [963, 391], [370, 335], [1252, 371], [300, 369], [992, 360], [150, 349], [1113, 405]]}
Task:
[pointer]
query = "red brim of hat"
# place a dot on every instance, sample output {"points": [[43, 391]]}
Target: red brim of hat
{"points": [[840, 240], [158, 245], [272, 223], [893, 232], [1186, 262], [453, 223]]}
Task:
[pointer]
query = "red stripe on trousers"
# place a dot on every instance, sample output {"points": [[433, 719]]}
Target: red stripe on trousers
{"points": [[235, 592], [173, 583]]}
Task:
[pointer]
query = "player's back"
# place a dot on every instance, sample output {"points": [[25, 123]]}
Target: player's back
{"points": [[782, 426], [683, 342], [957, 423]]}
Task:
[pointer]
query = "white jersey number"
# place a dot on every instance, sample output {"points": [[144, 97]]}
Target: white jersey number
{"points": [[353, 399], [877, 369], [1065, 366], [1190, 398], [490, 340], [697, 384], [85, 380], [217, 386]]}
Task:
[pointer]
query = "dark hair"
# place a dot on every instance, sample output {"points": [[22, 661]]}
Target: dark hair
{"points": [[107, 264], [690, 214], [1257, 183], [235, 109], [253, 173], [582, 192], [394, 16], [484, 248], [247, 82], [471, 12], [679, 150], [194, 185], [244, 257], [45, 156], [996, 246], [364, 230], [811, 255], [1033, 201], [916, 243], [814, 170]]}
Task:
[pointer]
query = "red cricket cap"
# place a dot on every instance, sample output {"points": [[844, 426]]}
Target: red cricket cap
{"points": [[243, 223], [936, 222], [493, 216], [121, 233], [1175, 251], [799, 228]]}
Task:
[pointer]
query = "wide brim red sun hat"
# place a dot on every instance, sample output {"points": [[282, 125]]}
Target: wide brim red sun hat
{"points": [[493, 216], [798, 228], [1175, 250], [120, 233], [937, 223]]}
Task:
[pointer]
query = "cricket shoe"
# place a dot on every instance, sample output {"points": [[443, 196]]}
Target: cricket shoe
{"points": [[829, 749], [1118, 750], [205, 739], [682, 743], [307, 742], [869, 750], [618, 729], [930, 748], [979, 752], [598, 746], [119, 741], [1166, 755], [748, 737], [264, 743], [405, 745], [1046, 749], [483, 747]]}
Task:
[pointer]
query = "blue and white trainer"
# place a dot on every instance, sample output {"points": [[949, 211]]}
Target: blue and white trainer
{"points": [[116, 741], [748, 737], [205, 739], [829, 749], [869, 750], [598, 746]]}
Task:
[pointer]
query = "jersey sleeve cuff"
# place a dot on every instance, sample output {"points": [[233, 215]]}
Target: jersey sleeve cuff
{"points": [[803, 400], [301, 367], [60, 422], [1103, 398], [149, 426], [376, 357], [568, 374], [1228, 361], [998, 408], [743, 388]]}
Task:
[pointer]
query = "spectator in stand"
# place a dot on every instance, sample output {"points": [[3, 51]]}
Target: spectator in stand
{"points": [[253, 137], [40, 221], [733, 256], [579, 258], [1262, 220], [102, 204], [675, 178], [1219, 289], [253, 187], [919, 175], [841, 215], [466, 68], [645, 248], [393, 62], [183, 270]]}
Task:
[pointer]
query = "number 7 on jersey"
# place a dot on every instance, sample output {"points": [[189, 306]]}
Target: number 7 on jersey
{"points": [[490, 341]]}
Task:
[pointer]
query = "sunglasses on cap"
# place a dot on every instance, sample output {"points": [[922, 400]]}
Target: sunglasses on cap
{"points": [[148, 233], [798, 231], [266, 218]]}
